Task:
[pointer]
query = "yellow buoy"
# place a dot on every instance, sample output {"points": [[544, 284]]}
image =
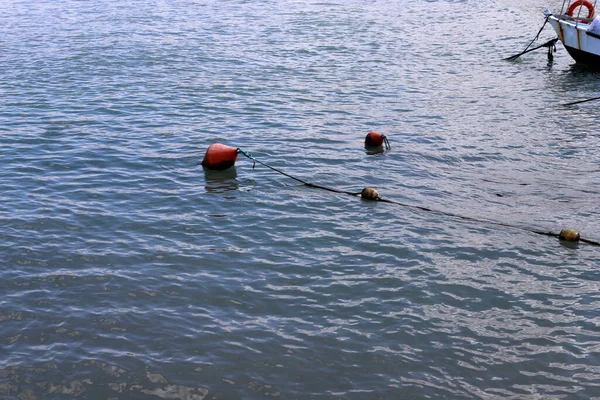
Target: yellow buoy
{"points": [[369, 194], [569, 235]]}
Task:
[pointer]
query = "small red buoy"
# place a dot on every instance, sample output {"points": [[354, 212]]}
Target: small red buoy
{"points": [[219, 157], [376, 139]]}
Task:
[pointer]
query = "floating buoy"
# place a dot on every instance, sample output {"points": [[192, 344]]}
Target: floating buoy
{"points": [[569, 235], [219, 157], [369, 194], [374, 139]]}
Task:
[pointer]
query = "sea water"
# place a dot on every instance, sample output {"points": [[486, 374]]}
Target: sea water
{"points": [[129, 272]]}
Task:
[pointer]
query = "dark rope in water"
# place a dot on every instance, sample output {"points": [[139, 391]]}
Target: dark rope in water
{"points": [[387, 143], [581, 101], [530, 43], [293, 177], [550, 44], [484, 221], [421, 208]]}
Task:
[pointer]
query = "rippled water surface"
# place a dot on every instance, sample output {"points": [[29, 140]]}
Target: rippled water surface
{"points": [[129, 272]]}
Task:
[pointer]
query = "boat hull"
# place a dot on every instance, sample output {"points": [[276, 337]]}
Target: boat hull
{"points": [[584, 47], [583, 57]]}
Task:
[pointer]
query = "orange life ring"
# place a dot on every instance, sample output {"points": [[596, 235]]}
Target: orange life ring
{"points": [[584, 3]]}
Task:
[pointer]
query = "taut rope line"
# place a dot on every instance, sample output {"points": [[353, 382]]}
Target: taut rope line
{"points": [[551, 44], [293, 177], [372, 194]]}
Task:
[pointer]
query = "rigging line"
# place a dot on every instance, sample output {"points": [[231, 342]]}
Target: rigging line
{"points": [[563, 6]]}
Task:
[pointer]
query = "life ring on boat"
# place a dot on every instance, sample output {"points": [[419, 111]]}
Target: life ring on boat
{"points": [[580, 3]]}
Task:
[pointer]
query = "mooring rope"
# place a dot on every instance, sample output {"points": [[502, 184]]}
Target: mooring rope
{"points": [[549, 44], [374, 195], [581, 101], [247, 154], [388, 146], [486, 221]]}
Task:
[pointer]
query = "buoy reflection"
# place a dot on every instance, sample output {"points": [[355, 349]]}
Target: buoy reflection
{"points": [[221, 181]]}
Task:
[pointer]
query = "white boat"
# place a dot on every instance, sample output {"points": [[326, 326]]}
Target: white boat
{"points": [[578, 29]]}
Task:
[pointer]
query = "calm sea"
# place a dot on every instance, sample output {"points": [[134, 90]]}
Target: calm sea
{"points": [[129, 272]]}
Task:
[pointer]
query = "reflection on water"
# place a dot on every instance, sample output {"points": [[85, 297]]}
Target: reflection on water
{"points": [[16, 381], [221, 181]]}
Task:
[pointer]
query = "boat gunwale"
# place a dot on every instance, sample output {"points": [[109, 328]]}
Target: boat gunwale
{"points": [[574, 20]]}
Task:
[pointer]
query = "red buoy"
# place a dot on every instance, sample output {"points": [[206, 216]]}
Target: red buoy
{"points": [[219, 157], [374, 139]]}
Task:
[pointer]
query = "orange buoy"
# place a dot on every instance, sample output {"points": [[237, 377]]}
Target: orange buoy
{"points": [[374, 139], [219, 157]]}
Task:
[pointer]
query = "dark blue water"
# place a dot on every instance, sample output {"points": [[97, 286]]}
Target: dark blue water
{"points": [[128, 272]]}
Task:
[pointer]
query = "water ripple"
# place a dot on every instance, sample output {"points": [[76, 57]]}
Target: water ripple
{"points": [[130, 272]]}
